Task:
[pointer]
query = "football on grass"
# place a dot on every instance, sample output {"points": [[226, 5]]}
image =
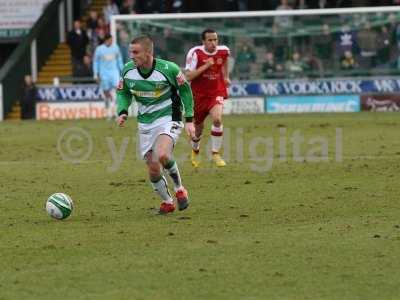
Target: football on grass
{"points": [[59, 206]]}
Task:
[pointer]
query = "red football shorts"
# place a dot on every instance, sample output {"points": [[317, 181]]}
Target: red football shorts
{"points": [[203, 105]]}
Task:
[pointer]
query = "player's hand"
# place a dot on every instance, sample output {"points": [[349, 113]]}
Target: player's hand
{"points": [[190, 130], [227, 82], [121, 120], [97, 79], [210, 62]]}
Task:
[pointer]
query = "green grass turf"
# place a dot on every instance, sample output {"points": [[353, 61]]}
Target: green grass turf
{"points": [[302, 230]]}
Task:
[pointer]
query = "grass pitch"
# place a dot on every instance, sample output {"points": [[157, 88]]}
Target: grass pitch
{"points": [[267, 226]]}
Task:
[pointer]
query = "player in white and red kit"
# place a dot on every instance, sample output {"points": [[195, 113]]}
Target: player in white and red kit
{"points": [[207, 70]]}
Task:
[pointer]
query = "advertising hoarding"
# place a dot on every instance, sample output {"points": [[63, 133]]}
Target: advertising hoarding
{"points": [[306, 104]]}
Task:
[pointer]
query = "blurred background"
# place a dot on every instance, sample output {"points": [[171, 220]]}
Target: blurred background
{"points": [[47, 47]]}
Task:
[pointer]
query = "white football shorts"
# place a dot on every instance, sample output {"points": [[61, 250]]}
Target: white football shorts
{"points": [[147, 138]]}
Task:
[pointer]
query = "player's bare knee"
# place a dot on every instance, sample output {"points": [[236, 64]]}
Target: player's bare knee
{"points": [[164, 157], [154, 170]]}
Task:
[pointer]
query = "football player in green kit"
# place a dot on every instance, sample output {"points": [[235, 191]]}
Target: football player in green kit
{"points": [[162, 94]]}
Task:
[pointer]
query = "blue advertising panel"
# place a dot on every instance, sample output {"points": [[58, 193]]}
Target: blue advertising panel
{"points": [[315, 87], [302, 87], [305, 104], [70, 93]]}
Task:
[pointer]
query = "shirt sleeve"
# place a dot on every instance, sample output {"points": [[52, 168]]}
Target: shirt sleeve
{"points": [[185, 92], [124, 97], [191, 60]]}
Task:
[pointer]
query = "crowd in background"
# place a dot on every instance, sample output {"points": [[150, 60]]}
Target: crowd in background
{"points": [[345, 50], [176, 6]]}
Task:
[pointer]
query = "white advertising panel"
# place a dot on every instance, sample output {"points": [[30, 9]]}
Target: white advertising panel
{"points": [[244, 105], [75, 110], [70, 110]]}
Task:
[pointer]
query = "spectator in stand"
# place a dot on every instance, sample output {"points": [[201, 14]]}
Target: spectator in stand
{"points": [[101, 25], [284, 22], [123, 42], [396, 34], [109, 10], [384, 46], [346, 41], [271, 4], [270, 68], [85, 70], [242, 5], [98, 34], [313, 66], [322, 3], [279, 42], [151, 6], [159, 52], [91, 26], [367, 41], [101, 36], [302, 4], [173, 42], [127, 7], [29, 98], [295, 66], [77, 40], [348, 61], [91, 22], [245, 58], [323, 46], [392, 25]]}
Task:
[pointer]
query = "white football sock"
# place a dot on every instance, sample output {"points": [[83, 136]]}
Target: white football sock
{"points": [[173, 172], [161, 188], [216, 138], [195, 142]]}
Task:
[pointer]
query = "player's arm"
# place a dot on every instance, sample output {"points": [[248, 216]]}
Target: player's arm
{"points": [[226, 72], [185, 93], [124, 100], [190, 75], [191, 71]]}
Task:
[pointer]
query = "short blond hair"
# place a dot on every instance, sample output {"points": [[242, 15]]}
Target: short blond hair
{"points": [[146, 41]]}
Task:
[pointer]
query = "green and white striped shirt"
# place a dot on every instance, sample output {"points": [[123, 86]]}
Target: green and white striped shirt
{"points": [[161, 94]]}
